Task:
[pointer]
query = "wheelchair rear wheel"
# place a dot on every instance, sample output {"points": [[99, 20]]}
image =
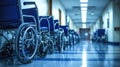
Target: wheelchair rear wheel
{"points": [[26, 43]]}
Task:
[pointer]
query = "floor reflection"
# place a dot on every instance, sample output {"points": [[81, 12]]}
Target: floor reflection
{"points": [[84, 54], [84, 58]]}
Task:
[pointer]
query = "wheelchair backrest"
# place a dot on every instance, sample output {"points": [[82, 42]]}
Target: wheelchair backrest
{"points": [[51, 23], [100, 32], [12, 15], [46, 21], [30, 12], [65, 29], [9, 13], [56, 24]]}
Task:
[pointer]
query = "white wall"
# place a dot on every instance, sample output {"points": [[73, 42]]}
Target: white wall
{"points": [[55, 11], [71, 25], [116, 22], [108, 13]]}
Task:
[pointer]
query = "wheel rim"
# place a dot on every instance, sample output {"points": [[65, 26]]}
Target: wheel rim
{"points": [[26, 43], [29, 43]]}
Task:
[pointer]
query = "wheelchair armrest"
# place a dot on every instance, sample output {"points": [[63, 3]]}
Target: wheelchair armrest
{"points": [[30, 16]]}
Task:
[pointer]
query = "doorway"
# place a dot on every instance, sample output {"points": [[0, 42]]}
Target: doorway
{"points": [[84, 33]]}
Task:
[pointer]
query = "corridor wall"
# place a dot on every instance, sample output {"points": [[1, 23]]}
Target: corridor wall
{"points": [[110, 20], [57, 5]]}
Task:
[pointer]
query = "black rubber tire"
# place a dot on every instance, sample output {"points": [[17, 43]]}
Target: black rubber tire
{"points": [[51, 49], [41, 53]]}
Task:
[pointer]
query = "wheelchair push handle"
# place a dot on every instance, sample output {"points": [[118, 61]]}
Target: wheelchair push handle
{"points": [[29, 3]]}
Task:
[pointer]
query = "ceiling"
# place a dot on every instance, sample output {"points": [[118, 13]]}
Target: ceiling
{"points": [[94, 11]]}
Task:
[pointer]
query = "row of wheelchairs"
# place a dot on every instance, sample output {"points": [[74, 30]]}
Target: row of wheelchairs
{"points": [[24, 34], [100, 36]]}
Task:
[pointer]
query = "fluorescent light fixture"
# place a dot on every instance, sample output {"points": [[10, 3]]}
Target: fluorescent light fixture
{"points": [[83, 5], [84, 8], [83, 0], [84, 12], [84, 20], [84, 16]]}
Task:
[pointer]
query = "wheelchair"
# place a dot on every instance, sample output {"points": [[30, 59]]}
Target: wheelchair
{"points": [[76, 38], [71, 34], [58, 36], [46, 45], [18, 29], [99, 36], [66, 36]]}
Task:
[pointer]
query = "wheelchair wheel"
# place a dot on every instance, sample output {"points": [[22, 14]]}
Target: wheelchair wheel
{"points": [[41, 52], [26, 43], [7, 49], [51, 48], [62, 42]]}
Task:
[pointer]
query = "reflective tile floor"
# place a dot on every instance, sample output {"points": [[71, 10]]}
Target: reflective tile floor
{"points": [[84, 54]]}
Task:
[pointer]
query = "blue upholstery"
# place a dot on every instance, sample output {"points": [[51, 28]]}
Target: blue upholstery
{"points": [[32, 12], [65, 29], [56, 24], [9, 14], [100, 32], [45, 23], [51, 23], [44, 28]]}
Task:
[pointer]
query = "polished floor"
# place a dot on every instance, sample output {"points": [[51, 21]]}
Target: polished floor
{"points": [[84, 54]]}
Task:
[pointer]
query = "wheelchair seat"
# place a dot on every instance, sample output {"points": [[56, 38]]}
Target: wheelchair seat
{"points": [[44, 28]]}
